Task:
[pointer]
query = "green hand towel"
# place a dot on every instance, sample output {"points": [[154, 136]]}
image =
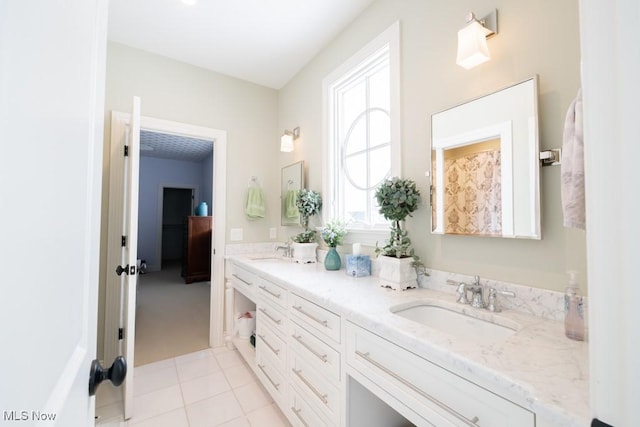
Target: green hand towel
{"points": [[291, 210], [255, 203]]}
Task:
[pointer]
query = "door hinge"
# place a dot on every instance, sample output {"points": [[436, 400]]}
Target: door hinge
{"points": [[120, 333], [123, 241], [126, 150]]}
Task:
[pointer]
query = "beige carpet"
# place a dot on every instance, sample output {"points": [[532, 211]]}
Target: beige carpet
{"points": [[171, 318]]}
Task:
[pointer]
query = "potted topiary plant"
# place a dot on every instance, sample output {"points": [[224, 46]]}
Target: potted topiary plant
{"points": [[397, 199], [304, 244]]}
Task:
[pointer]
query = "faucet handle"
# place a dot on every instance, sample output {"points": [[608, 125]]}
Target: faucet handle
{"points": [[492, 300], [461, 290], [462, 294]]}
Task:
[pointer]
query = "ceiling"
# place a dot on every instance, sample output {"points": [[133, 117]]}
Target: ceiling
{"points": [[264, 42], [165, 146]]}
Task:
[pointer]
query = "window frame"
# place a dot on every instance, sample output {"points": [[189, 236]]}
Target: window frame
{"points": [[350, 69]]}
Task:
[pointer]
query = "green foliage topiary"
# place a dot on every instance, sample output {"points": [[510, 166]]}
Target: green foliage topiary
{"points": [[397, 199], [308, 203]]}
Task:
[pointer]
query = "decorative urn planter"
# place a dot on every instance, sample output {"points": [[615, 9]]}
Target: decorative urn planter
{"points": [[304, 253], [396, 273]]}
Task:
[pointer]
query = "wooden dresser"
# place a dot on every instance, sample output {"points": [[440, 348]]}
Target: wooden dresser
{"points": [[196, 260]]}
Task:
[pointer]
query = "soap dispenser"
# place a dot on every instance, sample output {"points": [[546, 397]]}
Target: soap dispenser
{"points": [[573, 310]]}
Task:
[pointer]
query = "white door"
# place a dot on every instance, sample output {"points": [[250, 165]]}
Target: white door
{"points": [[52, 65], [130, 250], [122, 243]]}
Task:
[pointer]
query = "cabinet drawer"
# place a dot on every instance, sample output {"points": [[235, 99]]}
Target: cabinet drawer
{"points": [[320, 393], [317, 318], [316, 352], [244, 281], [273, 379], [272, 292], [268, 341], [439, 396], [301, 414], [273, 317]]}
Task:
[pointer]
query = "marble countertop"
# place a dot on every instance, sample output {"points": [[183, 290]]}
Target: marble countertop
{"points": [[537, 367]]}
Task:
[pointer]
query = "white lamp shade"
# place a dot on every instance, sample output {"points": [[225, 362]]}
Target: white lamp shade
{"points": [[472, 45], [286, 143]]}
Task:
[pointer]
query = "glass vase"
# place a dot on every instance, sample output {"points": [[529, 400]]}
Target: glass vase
{"points": [[332, 260]]}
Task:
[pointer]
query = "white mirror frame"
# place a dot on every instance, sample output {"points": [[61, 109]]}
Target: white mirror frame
{"points": [[292, 179], [488, 117]]}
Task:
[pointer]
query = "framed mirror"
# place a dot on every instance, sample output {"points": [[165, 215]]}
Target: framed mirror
{"points": [[485, 165], [292, 181]]}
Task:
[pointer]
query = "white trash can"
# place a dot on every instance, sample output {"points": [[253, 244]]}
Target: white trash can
{"points": [[245, 324]]}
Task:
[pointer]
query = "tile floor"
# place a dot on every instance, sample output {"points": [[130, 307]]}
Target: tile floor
{"points": [[212, 387]]}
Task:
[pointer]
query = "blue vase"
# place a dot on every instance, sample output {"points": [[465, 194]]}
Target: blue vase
{"points": [[332, 260], [202, 209]]}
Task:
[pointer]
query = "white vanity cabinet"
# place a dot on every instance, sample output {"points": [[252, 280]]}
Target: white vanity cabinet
{"points": [[272, 292], [271, 339], [244, 281], [314, 364], [241, 298], [329, 362], [423, 392]]}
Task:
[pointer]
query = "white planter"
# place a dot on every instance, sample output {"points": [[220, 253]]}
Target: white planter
{"points": [[396, 273], [304, 253]]}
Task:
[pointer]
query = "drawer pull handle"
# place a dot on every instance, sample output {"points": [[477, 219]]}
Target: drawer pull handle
{"points": [[277, 321], [322, 397], [297, 412], [270, 292], [241, 279], [275, 350], [277, 386], [322, 357], [470, 422], [311, 316]]}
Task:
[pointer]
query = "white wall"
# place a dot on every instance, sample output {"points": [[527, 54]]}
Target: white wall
{"points": [[180, 92], [535, 37]]}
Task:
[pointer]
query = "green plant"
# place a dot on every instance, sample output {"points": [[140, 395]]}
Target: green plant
{"points": [[333, 233], [397, 199], [308, 203]]}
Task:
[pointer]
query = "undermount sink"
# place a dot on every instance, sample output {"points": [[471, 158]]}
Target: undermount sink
{"points": [[458, 323], [267, 258]]}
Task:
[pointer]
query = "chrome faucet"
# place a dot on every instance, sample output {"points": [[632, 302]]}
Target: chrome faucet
{"points": [[492, 300], [477, 293], [288, 250], [462, 294]]}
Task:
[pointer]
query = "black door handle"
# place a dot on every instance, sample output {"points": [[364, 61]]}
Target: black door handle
{"points": [[126, 270], [116, 373]]}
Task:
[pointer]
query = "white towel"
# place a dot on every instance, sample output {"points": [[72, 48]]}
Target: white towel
{"points": [[572, 167]]}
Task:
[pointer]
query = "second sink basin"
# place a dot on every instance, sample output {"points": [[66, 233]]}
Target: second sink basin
{"points": [[267, 258], [458, 324]]}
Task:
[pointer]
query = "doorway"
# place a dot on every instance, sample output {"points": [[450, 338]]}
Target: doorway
{"points": [[216, 192], [175, 174], [177, 204]]}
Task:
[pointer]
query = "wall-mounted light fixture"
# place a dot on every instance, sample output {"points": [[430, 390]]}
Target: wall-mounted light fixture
{"points": [[286, 142], [472, 39]]}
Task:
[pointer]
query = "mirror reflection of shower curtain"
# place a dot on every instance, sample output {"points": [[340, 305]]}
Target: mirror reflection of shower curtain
{"points": [[473, 193]]}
